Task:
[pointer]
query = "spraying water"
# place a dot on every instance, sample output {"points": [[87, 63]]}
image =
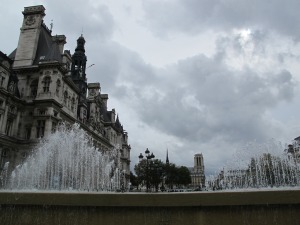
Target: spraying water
{"points": [[260, 166], [66, 161]]}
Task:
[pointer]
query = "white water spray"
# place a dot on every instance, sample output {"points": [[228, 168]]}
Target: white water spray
{"points": [[66, 161]]}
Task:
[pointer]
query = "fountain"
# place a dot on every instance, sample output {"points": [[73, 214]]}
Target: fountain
{"points": [[260, 166], [67, 181], [65, 161]]}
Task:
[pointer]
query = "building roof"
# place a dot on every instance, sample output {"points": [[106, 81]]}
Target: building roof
{"points": [[4, 57], [48, 49]]}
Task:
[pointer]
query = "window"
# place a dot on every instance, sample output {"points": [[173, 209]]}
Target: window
{"points": [[54, 127], [73, 104], [2, 79], [28, 133], [46, 81], [65, 97], [69, 102], [4, 153], [8, 127], [58, 84], [33, 88], [19, 129], [40, 129], [42, 112]]}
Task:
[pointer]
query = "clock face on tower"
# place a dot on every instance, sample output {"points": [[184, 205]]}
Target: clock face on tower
{"points": [[30, 20]]}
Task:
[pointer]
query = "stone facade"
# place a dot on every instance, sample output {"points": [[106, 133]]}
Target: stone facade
{"points": [[197, 172], [42, 85]]}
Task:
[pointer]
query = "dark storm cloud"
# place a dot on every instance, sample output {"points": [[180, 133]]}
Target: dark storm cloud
{"points": [[195, 16]]}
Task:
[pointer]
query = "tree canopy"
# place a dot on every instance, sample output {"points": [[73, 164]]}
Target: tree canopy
{"points": [[155, 173]]}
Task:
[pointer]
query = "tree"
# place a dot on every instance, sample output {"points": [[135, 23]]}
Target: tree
{"points": [[177, 175], [183, 176], [149, 173], [133, 180], [153, 172], [170, 175]]}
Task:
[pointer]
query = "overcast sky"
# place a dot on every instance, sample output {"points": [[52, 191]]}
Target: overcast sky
{"points": [[193, 76]]}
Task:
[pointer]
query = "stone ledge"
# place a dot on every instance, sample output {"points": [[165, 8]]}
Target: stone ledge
{"points": [[247, 198]]}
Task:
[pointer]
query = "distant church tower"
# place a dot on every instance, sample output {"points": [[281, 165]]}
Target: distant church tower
{"points": [[197, 175]]}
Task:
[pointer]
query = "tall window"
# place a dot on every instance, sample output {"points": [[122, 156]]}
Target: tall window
{"points": [[28, 133], [2, 79], [65, 97], [8, 127], [33, 88], [73, 104], [40, 129], [54, 127], [57, 87], [46, 81]]}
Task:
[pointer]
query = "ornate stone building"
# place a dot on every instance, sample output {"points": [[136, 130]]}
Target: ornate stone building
{"points": [[197, 172], [41, 85]]}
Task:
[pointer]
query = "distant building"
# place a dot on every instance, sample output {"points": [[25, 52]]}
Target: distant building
{"points": [[197, 172], [293, 150], [41, 85]]}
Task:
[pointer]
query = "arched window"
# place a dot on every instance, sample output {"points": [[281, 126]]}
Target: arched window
{"points": [[46, 81], [33, 88], [58, 84]]}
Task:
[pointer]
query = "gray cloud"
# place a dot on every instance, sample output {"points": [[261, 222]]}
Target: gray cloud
{"points": [[201, 98], [194, 16], [211, 104]]}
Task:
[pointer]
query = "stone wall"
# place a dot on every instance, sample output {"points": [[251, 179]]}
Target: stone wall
{"points": [[261, 207]]}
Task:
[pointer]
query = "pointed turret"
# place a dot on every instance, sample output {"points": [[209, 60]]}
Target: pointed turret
{"points": [[118, 125], [79, 61]]}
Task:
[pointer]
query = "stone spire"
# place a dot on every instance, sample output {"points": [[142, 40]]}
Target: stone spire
{"points": [[167, 158]]}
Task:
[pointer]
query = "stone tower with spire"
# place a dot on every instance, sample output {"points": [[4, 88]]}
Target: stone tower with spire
{"points": [[78, 74], [167, 157]]}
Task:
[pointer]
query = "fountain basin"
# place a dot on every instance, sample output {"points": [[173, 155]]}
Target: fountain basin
{"points": [[247, 207]]}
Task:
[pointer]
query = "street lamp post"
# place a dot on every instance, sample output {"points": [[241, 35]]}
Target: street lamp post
{"points": [[148, 158]]}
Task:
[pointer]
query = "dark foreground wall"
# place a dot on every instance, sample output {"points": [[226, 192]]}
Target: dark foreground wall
{"points": [[202, 208]]}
